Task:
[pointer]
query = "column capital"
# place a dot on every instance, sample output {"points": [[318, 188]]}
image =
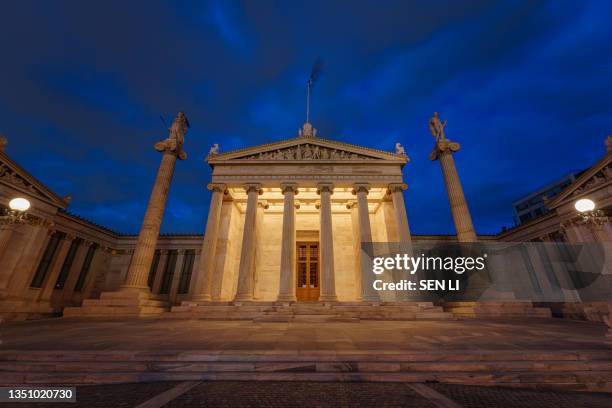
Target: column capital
{"points": [[263, 204], [393, 187], [180, 251], [217, 187], [351, 204], [296, 205], [289, 187], [325, 186], [248, 187], [361, 187], [443, 146], [318, 205]]}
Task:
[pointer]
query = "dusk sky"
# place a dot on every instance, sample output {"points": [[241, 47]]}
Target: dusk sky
{"points": [[526, 88]]}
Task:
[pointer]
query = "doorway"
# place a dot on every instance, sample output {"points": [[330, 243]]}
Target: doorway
{"points": [[307, 271]]}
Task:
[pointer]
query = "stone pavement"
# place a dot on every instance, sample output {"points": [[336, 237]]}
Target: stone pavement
{"points": [[150, 334], [333, 395]]}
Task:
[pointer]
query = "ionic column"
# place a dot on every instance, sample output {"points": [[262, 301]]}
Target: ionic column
{"points": [[58, 263], [159, 273], [136, 279], [397, 196], [286, 291], [8, 235], [75, 271], [246, 271], [176, 278], [206, 266], [368, 293], [352, 206], [328, 284], [461, 214]]}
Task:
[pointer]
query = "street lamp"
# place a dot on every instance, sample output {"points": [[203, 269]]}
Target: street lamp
{"points": [[16, 213], [588, 212]]}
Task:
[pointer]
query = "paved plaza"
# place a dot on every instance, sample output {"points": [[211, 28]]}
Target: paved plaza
{"points": [[323, 395], [142, 334]]}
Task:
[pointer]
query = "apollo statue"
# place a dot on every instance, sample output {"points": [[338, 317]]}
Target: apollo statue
{"points": [[436, 127]]}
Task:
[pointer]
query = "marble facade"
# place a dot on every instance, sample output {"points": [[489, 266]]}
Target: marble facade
{"points": [[264, 200]]}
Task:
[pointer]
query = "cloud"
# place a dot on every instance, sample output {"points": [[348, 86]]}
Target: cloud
{"points": [[525, 87]]}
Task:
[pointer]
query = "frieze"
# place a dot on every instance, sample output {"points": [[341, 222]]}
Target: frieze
{"points": [[306, 177], [307, 152]]}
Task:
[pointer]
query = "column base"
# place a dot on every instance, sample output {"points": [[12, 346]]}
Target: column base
{"points": [[123, 303], [328, 298], [370, 298], [201, 298], [286, 298], [243, 298], [134, 289]]}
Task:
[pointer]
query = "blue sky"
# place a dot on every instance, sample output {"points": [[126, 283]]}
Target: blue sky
{"points": [[526, 87]]}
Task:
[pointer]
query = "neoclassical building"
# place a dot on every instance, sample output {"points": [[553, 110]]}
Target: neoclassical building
{"points": [[286, 224]]}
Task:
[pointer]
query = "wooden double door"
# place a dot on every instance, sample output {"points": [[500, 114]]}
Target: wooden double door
{"points": [[308, 287]]}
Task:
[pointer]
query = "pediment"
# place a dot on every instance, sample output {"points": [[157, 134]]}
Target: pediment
{"points": [[597, 176], [14, 176], [307, 149]]}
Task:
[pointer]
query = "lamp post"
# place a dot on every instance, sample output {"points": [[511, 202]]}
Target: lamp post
{"points": [[16, 213], [589, 213]]}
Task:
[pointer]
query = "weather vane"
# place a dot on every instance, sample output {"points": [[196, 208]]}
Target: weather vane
{"points": [[314, 74]]}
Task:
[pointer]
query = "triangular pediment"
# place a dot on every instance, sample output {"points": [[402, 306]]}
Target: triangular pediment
{"points": [[307, 149], [15, 177], [598, 176]]}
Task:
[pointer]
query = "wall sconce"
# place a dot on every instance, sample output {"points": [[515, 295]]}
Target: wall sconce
{"points": [[16, 213], [588, 212]]}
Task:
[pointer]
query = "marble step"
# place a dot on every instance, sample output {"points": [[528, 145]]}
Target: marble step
{"points": [[305, 318], [95, 311], [586, 370], [318, 366], [125, 302], [467, 355]]}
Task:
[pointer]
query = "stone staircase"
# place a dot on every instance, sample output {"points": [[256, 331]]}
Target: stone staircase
{"points": [[118, 304], [586, 370], [308, 311], [15, 310], [496, 309]]}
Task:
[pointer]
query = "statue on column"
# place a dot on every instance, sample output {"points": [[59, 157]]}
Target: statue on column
{"points": [[436, 127], [176, 138]]}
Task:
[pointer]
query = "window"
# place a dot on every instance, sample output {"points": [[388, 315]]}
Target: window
{"points": [[153, 269], [85, 268], [47, 259], [186, 271], [168, 272], [61, 279]]}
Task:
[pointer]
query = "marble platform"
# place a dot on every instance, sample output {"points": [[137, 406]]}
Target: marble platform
{"points": [[538, 353]]}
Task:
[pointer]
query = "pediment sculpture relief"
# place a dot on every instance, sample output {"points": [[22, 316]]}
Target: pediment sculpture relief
{"points": [[307, 152], [9, 176], [599, 178]]}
